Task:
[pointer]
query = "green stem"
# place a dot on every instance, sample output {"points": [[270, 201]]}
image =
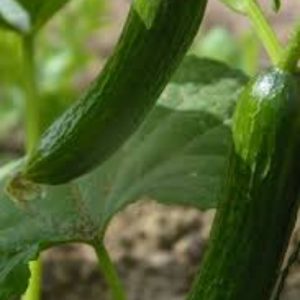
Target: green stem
{"points": [[34, 289], [291, 55], [32, 135], [109, 272], [30, 85], [264, 30]]}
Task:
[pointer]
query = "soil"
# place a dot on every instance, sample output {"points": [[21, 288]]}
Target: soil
{"points": [[155, 248]]}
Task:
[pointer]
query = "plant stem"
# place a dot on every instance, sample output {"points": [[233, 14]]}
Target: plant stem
{"points": [[31, 91], [109, 271], [34, 289], [32, 135], [291, 55], [264, 30]]}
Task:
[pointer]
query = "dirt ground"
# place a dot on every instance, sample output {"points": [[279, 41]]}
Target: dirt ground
{"points": [[156, 248]]}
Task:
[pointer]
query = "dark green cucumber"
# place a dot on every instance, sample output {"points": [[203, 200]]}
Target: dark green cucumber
{"points": [[259, 203], [155, 38]]}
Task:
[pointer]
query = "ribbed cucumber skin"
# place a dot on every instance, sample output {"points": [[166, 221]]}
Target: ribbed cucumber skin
{"points": [[155, 38], [258, 205]]}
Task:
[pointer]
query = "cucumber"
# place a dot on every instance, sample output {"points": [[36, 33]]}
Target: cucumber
{"points": [[258, 206], [155, 38]]}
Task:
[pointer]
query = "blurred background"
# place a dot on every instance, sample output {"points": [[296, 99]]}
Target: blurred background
{"points": [[157, 253]]}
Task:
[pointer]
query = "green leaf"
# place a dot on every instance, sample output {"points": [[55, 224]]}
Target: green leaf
{"points": [[15, 272], [41, 11], [176, 157], [215, 39], [179, 152], [13, 15], [26, 16]]}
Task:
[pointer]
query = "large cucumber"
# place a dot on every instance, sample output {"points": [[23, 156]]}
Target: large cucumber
{"points": [[258, 208], [155, 38]]}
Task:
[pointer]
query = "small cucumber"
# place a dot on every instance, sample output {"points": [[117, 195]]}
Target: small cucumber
{"points": [[155, 38], [259, 203]]}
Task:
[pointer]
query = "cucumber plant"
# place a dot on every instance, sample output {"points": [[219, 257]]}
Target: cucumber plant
{"points": [[188, 131], [118, 100]]}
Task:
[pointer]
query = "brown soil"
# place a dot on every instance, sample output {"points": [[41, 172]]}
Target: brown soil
{"points": [[156, 249]]}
